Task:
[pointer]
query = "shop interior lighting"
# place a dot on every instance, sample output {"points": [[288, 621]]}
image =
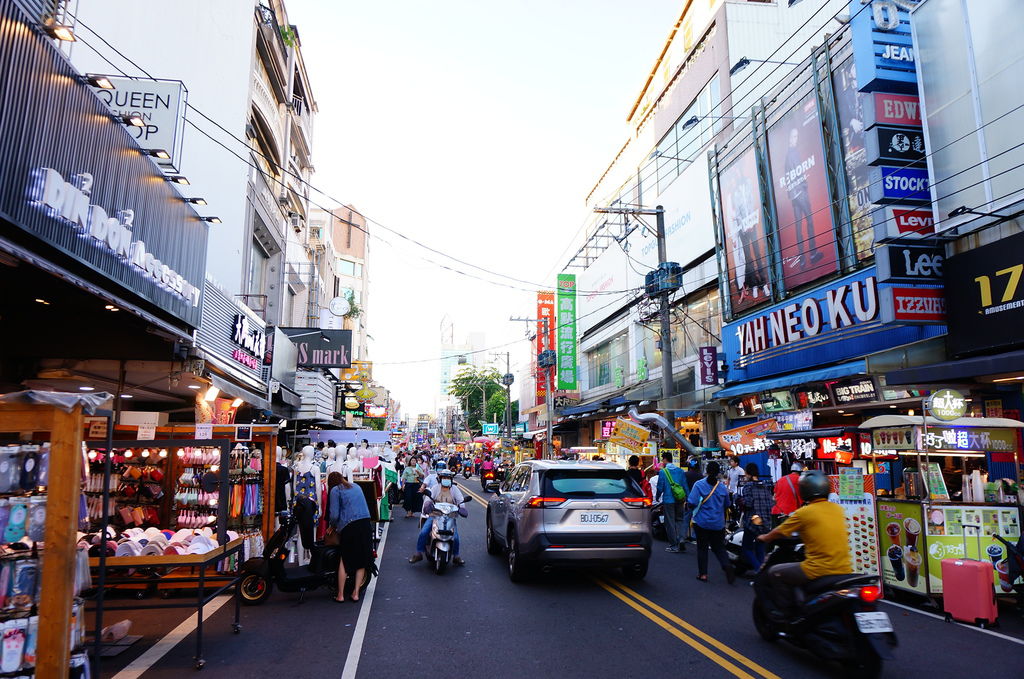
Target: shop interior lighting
{"points": [[955, 453], [842, 411], [1001, 379], [163, 452], [133, 120], [211, 394], [87, 389], [100, 81], [211, 220], [111, 307], [61, 32], [159, 153], [910, 412], [127, 396], [178, 179], [892, 406], [196, 201], [42, 301], [196, 386], [237, 402]]}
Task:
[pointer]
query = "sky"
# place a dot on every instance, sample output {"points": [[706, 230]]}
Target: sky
{"points": [[476, 128]]}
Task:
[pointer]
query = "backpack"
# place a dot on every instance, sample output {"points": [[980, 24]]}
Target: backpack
{"points": [[678, 491]]}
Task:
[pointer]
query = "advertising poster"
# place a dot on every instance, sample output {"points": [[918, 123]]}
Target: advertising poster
{"points": [[900, 545], [855, 493], [746, 247], [629, 435], [967, 532], [750, 438], [850, 108], [565, 335], [806, 237]]}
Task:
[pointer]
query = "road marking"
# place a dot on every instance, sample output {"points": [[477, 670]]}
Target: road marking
{"points": [[145, 661], [355, 649], [707, 638], [676, 632], [476, 497], [964, 625]]}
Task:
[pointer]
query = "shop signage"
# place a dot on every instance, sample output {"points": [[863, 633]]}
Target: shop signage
{"points": [[899, 185], [629, 435], [913, 305], [750, 438], [812, 397], [994, 407], [71, 203], [798, 420], [160, 104], [893, 109], [250, 338], [985, 296], [947, 404], [853, 390], [321, 348], [817, 313], [748, 406], [909, 263], [563, 401], [903, 222], [545, 340], [893, 438], [707, 359], [901, 546], [895, 145], [566, 334], [838, 448], [883, 50], [607, 427], [776, 401], [954, 531], [969, 438]]}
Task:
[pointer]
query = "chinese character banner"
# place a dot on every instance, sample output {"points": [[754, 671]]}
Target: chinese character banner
{"points": [[565, 332]]}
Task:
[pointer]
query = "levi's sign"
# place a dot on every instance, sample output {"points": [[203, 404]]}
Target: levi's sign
{"points": [[830, 309], [909, 263], [903, 222]]}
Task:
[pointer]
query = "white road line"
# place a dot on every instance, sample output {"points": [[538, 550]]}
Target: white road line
{"points": [[940, 617], [355, 649], [173, 638]]}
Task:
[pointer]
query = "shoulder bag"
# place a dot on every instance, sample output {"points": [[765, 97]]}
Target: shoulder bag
{"points": [[693, 518]]}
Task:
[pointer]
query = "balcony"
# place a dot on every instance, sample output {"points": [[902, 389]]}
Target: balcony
{"points": [[273, 51]]}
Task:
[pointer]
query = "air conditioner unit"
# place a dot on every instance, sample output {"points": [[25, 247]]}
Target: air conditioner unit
{"points": [[295, 219], [283, 197]]}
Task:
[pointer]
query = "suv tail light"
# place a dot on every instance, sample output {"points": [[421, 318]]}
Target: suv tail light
{"points": [[637, 501], [538, 501], [871, 593]]}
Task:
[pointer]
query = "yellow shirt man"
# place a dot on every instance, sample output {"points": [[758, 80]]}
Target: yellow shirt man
{"points": [[822, 528]]}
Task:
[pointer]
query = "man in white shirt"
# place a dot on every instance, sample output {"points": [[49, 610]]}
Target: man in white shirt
{"points": [[734, 474]]}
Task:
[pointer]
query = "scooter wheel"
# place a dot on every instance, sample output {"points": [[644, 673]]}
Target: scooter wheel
{"points": [[763, 624], [255, 589]]}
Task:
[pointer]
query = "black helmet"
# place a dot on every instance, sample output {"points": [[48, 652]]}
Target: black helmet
{"points": [[814, 484]]}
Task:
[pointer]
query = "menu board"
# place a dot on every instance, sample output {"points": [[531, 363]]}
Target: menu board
{"points": [[936, 484], [967, 532], [859, 510], [900, 544]]}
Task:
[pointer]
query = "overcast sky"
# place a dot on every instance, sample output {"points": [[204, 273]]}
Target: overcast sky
{"points": [[477, 128]]}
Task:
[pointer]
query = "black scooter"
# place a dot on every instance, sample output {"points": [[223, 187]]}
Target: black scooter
{"points": [[835, 617], [261, 574]]}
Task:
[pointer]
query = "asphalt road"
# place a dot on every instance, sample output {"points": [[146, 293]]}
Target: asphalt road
{"points": [[474, 622]]}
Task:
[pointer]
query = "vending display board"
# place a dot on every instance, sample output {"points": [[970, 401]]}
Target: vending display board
{"points": [[854, 491], [900, 545], [967, 532]]}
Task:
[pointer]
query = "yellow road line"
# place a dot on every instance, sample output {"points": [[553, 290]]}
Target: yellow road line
{"points": [[707, 638], [676, 632]]}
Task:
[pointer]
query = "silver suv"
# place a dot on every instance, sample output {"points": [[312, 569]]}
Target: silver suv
{"points": [[561, 513]]}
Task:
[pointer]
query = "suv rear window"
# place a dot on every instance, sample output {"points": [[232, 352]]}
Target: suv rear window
{"points": [[589, 483]]}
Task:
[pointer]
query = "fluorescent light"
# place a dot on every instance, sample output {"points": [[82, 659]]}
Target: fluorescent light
{"points": [[178, 179], [1001, 379], [42, 301], [133, 120], [61, 32], [87, 389], [127, 396], [196, 201], [211, 220], [111, 307], [100, 81], [842, 411], [211, 394], [159, 153], [196, 386], [237, 402]]}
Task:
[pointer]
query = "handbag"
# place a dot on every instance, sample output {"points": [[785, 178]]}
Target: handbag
{"points": [[332, 538], [700, 504]]}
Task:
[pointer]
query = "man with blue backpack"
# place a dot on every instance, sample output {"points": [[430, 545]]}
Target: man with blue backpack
{"points": [[672, 492]]}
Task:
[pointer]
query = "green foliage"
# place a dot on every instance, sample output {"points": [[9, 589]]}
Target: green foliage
{"points": [[354, 310], [288, 36], [374, 423], [474, 387]]}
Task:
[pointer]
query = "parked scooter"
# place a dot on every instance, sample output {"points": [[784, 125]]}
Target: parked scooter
{"points": [[658, 529], [834, 617], [734, 548], [261, 574], [441, 542]]}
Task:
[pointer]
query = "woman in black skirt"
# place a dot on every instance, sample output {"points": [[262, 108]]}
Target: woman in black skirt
{"points": [[349, 517], [412, 477]]}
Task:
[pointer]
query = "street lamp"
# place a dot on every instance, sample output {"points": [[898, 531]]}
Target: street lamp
{"points": [[744, 62]]}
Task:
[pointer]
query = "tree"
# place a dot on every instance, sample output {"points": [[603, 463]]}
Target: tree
{"points": [[475, 387]]}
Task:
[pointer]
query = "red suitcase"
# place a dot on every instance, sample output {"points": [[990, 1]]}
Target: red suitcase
{"points": [[968, 590]]}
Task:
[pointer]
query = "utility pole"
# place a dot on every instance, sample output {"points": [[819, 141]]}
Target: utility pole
{"points": [[549, 388], [661, 282], [507, 379]]}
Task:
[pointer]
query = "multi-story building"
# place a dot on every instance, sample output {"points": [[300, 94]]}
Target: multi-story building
{"points": [[718, 61]]}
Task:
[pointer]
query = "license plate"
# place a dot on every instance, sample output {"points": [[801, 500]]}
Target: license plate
{"points": [[593, 517], [873, 623]]}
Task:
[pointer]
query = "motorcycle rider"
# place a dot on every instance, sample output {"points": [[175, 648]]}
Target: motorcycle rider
{"points": [[822, 528], [445, 491]]}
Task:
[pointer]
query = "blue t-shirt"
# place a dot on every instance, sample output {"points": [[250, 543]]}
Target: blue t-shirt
{"points": [[711, 515]]}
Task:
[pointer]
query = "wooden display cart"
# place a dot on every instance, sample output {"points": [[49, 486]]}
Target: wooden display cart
{"points": [[64, 431]]}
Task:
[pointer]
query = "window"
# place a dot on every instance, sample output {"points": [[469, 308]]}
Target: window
{"points": [[680, 146], [521, 480], [347, 268], [576, 483], [607, 359], [258, 259]]}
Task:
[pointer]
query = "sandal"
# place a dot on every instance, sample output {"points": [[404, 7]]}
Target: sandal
{"points": [[702, 578]]}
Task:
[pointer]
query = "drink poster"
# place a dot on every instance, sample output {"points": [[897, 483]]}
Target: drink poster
{"points": [[969, 533], [851, 483], [900, 545], [859, 510], [936, 484]]}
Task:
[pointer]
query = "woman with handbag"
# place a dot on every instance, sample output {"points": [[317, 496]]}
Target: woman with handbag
{"points": [[710, 498], [348, 520], [412, 477]]}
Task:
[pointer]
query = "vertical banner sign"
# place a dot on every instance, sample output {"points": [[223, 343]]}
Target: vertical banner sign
{"points": [[565, 334], [545, 341], [708, 359]]}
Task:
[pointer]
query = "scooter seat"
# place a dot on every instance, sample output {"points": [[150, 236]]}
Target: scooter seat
{"points": [[820, 585]]}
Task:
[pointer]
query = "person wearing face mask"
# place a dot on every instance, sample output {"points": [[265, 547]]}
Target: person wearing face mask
{"points": [[445, 491]]}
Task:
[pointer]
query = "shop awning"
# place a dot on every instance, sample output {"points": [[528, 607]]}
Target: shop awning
{"points": [[963, 370], [916, 420], [582, 410], [824, 432], [794, 379], [249, 396]]}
